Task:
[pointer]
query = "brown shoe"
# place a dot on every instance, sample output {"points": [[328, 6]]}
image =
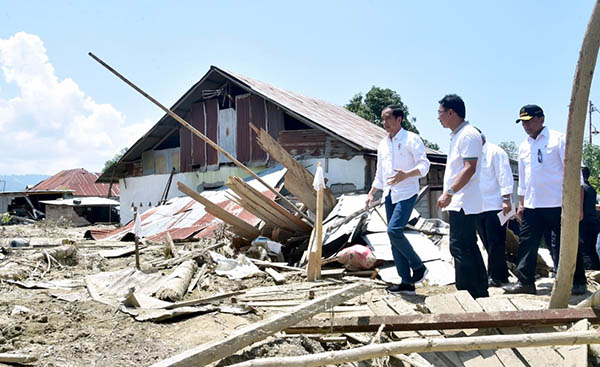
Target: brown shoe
{"points": [[520, 288]]}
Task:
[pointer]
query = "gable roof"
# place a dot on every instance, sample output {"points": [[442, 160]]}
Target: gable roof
{"points": [[82, 182], [334, 120]]}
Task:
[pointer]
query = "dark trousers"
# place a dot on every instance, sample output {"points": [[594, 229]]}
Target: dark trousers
{"points": [[405, 257], [588, 234], [493, 236], [535, 223], [469, 268]]}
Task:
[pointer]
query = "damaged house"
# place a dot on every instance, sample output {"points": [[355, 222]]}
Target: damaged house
{"points": [[222, 105]]}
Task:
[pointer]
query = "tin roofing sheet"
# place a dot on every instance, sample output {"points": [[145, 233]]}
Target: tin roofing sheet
{"points": [[82, 182]]}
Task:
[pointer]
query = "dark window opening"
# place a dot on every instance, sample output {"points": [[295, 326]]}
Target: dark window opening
{"points": [[290, 123]]}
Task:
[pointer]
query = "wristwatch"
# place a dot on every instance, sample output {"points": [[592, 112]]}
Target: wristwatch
{"points": [[450, 192]]}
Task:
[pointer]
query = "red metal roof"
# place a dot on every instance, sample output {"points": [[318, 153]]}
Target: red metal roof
{"points": [[82, 182]]}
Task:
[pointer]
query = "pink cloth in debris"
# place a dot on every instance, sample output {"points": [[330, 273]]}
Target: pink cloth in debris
{"points": [[357, 257]]}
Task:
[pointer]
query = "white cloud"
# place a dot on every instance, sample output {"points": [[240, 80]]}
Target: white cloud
{"points": [[51, 124]]}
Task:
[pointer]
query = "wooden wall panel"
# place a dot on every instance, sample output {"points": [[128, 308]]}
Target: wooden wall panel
{"points": [[212, 130], [185, 145], [258, 118], [198, 151], [242, 107], [274, 120]]}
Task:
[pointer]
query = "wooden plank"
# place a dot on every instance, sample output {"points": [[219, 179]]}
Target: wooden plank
{"points": [[302, 177], [443, 321], [449, 303], [239, 226], [210, 352], [577, 355], [277, 277], [535, 357]]}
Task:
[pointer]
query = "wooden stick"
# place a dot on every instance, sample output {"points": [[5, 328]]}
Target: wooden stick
{"points": [[210, 352], [171, 245], [431, 344], [316, 249], [137, 242], [15, 358], [200, 135], [571, 175]]}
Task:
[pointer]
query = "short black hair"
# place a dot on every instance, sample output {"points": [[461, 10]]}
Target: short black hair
{"points": [[454, 102], [586, 173], [396, 110]]}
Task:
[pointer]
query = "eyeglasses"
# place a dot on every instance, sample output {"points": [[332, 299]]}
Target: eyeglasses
{"points": [[539, 156]]}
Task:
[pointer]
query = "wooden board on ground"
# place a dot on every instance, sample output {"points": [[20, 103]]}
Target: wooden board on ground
{"points": [[540, 356], [445, 303]]}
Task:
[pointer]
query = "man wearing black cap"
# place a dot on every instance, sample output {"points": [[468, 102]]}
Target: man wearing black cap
{"points": [[541, 166]]}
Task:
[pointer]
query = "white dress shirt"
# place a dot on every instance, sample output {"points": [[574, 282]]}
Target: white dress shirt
{"points": [[541, 166], [495, 176], [465, 144], [404, 151]]}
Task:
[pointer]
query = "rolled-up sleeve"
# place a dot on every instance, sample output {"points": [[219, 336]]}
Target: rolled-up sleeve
{"points": [[504, 174], [420, 157], [378, 180]]}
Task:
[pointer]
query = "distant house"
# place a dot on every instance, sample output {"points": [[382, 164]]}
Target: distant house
{"points": [[71, 194], [221, 106]]}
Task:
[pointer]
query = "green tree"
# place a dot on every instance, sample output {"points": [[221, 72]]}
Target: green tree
{"points": [[114, 159], [510, 148], [591, 159], [371, 104]]}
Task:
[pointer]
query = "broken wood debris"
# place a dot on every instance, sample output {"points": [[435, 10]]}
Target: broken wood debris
{"points": [[238, 226], [214, 351], [264, 208], [298, 180], [17, 358], [446, 321], [470, 343], [176, 285]]}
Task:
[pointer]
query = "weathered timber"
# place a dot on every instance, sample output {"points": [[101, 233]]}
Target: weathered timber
{"points": [[177, 284], [277, 276], [571, 190], [17, 358], [470, 343], [238, 226], [170, 245], [256, 199], [214, 351], [303, 179], [442, 321], [201, 301]]}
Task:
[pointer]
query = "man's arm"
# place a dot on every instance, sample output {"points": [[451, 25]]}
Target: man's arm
{"points": [[370, 197], [520, 208], [464, 176]]}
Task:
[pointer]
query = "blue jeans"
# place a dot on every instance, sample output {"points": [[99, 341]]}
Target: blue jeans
{"points": [[405, 257]]}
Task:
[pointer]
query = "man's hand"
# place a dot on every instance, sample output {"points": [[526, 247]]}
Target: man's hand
{"points": [[506, 206], [368, 202], [444, 200], [520, 214], [398, 177]]}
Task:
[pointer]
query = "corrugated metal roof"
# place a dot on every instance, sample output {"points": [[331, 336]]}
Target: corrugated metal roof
{"points": [[184, 217], [82, 182]]}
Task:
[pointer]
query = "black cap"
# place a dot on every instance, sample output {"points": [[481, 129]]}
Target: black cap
{"points": [[530, 111]]}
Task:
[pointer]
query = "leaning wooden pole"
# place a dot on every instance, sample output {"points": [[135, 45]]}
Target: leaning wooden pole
{"points": [[571, 176], [200, 135]]}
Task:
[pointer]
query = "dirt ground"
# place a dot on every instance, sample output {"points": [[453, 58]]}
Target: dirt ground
{"points": [[89, 333]]}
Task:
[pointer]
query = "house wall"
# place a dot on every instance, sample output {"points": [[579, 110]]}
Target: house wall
{"points": [[342, 175], [144, 191]]}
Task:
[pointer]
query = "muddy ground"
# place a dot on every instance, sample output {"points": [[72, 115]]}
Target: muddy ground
{"points": [[88, 333]]}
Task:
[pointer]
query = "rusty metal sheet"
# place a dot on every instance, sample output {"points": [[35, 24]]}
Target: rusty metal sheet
{"points": [[258, 118], [185, 146], [82, 182], [198, 145], [243, 128], [211, 107]]}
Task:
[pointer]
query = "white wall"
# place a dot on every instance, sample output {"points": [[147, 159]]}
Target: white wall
{"points": [[340, 171]]}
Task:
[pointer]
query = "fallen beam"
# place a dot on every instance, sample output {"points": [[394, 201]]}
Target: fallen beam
{"points": [[487, 342], [210, 352], [471, 320], [15, 358]]}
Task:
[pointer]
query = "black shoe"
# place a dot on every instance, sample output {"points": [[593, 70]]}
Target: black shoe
{"points": [[520, 288], [419, 274], [578, 289], [495, 283], [402, 288]]}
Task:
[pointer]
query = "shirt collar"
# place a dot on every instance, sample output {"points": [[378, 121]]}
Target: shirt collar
{"points": [[462, 124], [542, 134], [399, 135]]}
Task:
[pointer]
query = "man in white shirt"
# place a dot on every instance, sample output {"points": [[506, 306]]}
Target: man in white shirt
{"points": [[541, 166], [496, 185], [462, 196], [401, 160]]}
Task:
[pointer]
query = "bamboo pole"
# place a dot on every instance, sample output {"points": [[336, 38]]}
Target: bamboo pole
{"points": [[137, 241], [200, 135], [431, 344], [571, 175]]}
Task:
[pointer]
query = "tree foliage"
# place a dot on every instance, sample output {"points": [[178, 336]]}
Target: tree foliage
{"points": [[375, 100], [114, 159], [591, 159], [510, 148]]}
